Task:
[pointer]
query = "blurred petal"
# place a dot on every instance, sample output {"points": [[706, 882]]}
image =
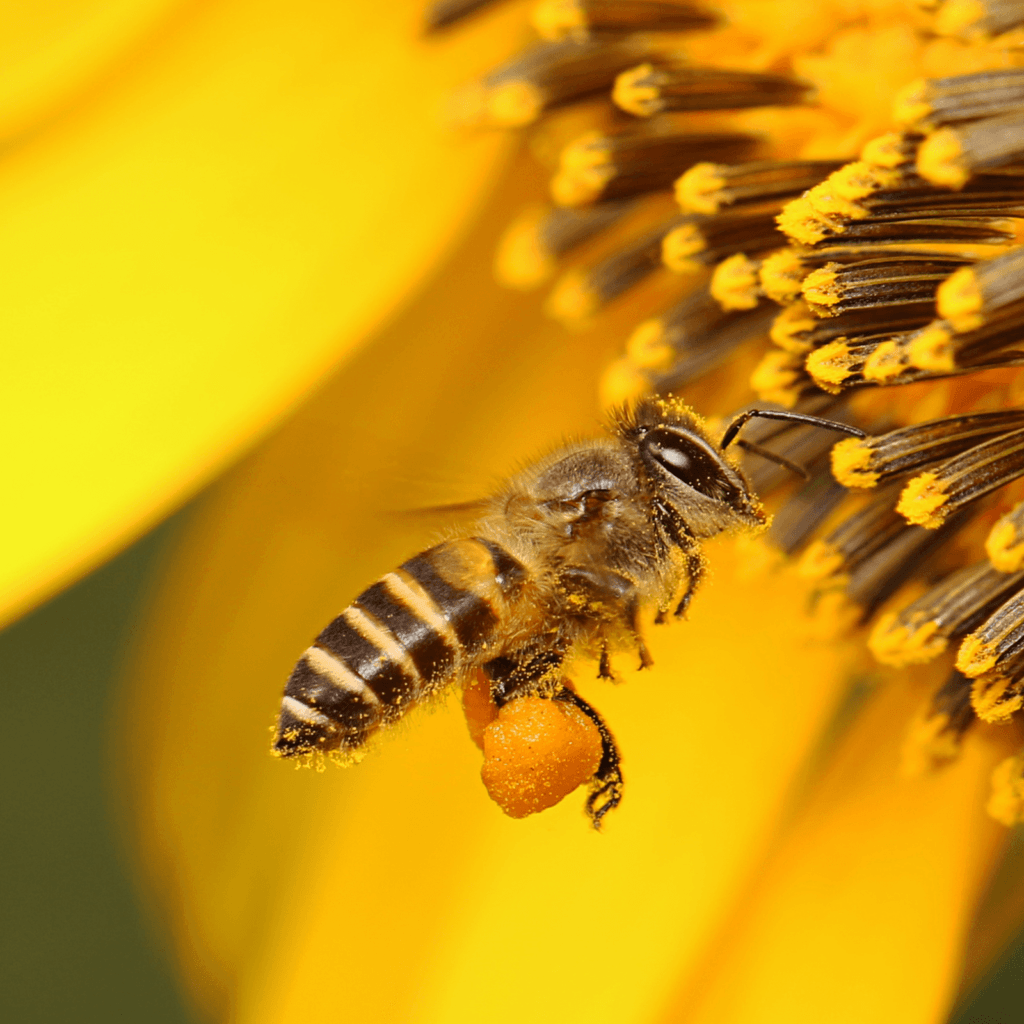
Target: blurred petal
{"points": [[52, 50], [861, 911], [186, 254], [391, 891]]}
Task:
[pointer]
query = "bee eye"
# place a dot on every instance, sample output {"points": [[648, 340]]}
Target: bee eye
{"points": [[689, 460]]}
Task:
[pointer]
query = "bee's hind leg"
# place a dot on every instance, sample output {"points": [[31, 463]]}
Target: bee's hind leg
{"points": [[606, 783]]}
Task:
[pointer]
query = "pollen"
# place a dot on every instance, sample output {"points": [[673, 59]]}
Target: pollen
{"points": [[1005, 545], [959, 300], [1006, 804], [734, 283], [781, 276], [776, 378], [820, 561], [932, 349], [922, 500], [929, 743], [831, 365], [898, 644], [886, 363], [536, 752], [851, 462], [975, 657], [995, 698], [696, 190], [646, 347], [941, 159]]}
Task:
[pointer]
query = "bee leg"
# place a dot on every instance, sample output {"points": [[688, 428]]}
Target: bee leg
{"points": [[524, 671], [694, 574], [633, 616], [613, 591], [604, 668], [606, 784]]}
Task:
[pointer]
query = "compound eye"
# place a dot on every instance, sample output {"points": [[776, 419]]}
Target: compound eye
{"points": [[691, 461]]}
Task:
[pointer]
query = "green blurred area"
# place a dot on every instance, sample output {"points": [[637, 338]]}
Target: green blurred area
{"points": [[74, 943]]}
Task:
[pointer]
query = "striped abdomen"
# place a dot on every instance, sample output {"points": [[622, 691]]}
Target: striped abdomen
{"points": [[414, 630]]}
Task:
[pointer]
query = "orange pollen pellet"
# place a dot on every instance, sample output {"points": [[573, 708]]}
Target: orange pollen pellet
{"points": [[536, 752]]}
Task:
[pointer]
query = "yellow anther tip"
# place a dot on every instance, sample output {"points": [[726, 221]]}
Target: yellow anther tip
{"points": [[911, 103], [1006, 804], [801, 222], [851, 462], [572, 301], [775, 377], [928, 744], [695, 190], [679, 247], [634, 92], [885, 151], [734, 284], [622, 383], [781, 274], [990, 701], [955, 17], [959, 300], [819, 561], [819, 286], [922, 500], [514, 104], [646, 347], [830, 366], [558, 19], [789, 325], [975, 657], [885, 363], [932, 349], [521, 261], [902, 645], [940, 160], [1005, 549]]}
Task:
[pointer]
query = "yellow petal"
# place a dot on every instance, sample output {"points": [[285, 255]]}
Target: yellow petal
{"points": [[187, 253], [52, 50], [391, 890], [861, 911]]}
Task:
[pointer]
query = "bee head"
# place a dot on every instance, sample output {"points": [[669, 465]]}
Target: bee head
{"points": [[691, 477]]}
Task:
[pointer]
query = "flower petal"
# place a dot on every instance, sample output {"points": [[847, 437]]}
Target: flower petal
{"points": [[861, 910], [51, 50], [186, 255], [395, 890]]}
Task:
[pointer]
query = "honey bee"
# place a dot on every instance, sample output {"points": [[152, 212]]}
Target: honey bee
{"points": [[562, 558]]}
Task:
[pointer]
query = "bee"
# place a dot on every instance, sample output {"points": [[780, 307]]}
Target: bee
{"points": [[561, 559]]}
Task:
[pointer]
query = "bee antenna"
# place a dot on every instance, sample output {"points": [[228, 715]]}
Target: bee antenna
{"points": [[766, 453], [792, 417]]}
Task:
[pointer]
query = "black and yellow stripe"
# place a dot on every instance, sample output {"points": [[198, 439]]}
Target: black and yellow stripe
{"points": [[411, 632]]}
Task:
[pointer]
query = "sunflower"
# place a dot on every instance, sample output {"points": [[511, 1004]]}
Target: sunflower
{"points": [[806, 206]]}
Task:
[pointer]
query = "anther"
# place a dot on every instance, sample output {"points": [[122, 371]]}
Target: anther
{"points": [[707, 187], [599, 166], [656, 88], [929, 499], [538, 238], [947, 612], [581, 293], [885, 457], [1005, 542], [577, 19]]}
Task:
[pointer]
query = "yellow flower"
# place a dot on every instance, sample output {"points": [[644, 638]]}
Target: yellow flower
{"points": [[194, 227], [769, 861]]}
